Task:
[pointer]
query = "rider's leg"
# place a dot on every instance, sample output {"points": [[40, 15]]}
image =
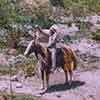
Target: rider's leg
{"points": [[53, 57]]}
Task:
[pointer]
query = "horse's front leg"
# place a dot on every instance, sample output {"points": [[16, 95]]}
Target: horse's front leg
{"points": [[42, 77], [47, 78]]}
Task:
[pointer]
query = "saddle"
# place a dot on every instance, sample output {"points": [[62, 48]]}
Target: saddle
{"points": [[59, 57]]}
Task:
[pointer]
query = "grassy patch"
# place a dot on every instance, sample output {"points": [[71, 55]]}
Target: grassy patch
{"points": [[3, 45], [28, 67], [6, 70], [95, 35], [6, 96]]}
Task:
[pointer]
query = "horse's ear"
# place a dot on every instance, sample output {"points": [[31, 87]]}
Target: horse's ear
{"points": [[35, 37]]}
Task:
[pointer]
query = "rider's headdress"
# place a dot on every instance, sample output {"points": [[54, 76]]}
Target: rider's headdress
{"points": [[54, 28]]}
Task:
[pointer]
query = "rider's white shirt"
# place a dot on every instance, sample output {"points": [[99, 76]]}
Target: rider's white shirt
{"points": [[52, 39]]}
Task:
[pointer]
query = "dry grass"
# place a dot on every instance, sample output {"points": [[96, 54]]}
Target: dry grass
{"points": [[7, 96]]}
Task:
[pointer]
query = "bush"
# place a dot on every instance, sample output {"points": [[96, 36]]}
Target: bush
{"points": [[3, 45], [6, 96], [95, 35], [57, 3], [43, 21]]}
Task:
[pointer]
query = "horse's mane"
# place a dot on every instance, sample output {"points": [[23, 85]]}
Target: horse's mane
{"points": [[40, 49]]}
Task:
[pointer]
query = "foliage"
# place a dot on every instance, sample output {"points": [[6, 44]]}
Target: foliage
{"points": [[11, 12], [67, 38], [7, 12], [43, 21], [96, 35], [2, 45], [57, 3], [83, 7], [4, 70], [29, 67], [41, 12], [5, 96], [78, 7], [22, 11]]}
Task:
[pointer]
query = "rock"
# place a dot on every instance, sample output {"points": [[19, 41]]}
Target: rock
{"points": [[66, 30], [1, 98], [14, 78], [19, 85], [3, 60], [23, 43], [87, 50], [8, 60], [12, 51], [3, 35], [20, 59], [93, 19]]}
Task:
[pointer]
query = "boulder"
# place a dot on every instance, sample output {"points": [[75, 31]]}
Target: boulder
{"points": [[3, 60], [3, 35], [88, 51]]}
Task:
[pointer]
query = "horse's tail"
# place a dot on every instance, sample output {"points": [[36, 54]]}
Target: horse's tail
{"points": [[74, 60], [71, 56]]}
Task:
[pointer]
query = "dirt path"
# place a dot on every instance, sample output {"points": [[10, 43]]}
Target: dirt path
{"points": [[86, 86]]}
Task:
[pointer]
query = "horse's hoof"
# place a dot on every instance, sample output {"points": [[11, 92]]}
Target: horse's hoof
{"points": [[70, 83], [42, 88], [66, 83]]}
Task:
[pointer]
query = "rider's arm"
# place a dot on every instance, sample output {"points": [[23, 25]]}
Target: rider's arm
{"points": [[54, 37], [52, 40]]}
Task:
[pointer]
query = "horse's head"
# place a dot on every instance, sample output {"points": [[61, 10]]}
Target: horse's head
{"points": [[30, 48], [36, 48]]}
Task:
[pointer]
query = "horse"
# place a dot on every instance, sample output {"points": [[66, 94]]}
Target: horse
{"points": [[66, 60]]}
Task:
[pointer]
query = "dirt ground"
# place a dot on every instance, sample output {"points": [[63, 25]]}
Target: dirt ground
{"points": [[85, 86]]}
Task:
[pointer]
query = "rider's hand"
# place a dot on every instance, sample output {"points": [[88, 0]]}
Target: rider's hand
{"points": [[38, 27]]}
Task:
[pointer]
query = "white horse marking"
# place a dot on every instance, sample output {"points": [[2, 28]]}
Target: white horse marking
{"points": [[28, 47]]}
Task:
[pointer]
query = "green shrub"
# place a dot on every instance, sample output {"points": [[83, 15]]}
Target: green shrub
{"points": [[3, 45], [95, 35], [57, 3], [5, 70], [6, 96], [43, 21]]}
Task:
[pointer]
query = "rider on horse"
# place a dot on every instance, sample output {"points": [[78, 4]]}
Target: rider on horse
{"points": [[51, 43], [65, 60], [54, 42]]}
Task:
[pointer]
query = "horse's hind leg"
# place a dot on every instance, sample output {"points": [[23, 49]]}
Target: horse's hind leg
{"points": [[71, 76], [66, 77]]}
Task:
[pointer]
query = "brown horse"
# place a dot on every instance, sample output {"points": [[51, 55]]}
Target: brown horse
{"points": [[65, 59]]}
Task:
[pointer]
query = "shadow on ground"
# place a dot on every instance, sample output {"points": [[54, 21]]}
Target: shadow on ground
{"points": [[63, 87]]}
